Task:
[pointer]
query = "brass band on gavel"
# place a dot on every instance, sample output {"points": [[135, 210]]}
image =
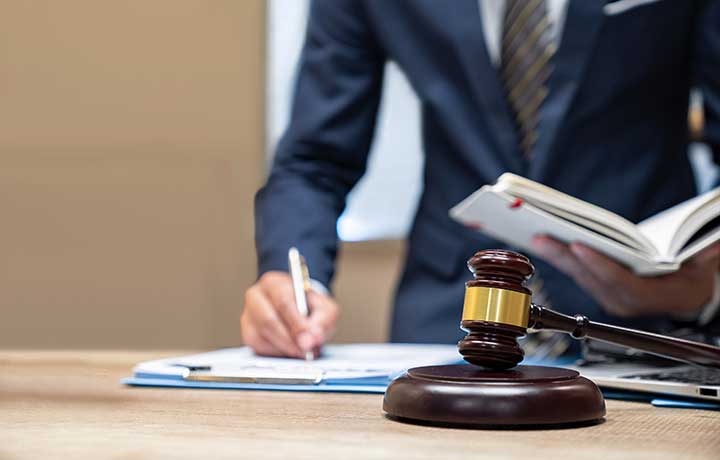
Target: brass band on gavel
{"points": [[496, 306]]}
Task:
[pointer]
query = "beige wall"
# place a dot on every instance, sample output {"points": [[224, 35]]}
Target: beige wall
{"points": [[130, 148], [366, 277]]}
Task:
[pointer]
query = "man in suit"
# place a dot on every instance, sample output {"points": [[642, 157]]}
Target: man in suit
{"points": [[588, 97]]}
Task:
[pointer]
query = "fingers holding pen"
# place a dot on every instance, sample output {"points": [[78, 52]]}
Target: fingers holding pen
{"points": [[324, 312], [282, 297], [272, 325], [263, 329]]}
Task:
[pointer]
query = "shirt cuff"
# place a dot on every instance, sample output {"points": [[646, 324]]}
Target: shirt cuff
{"points": [[320, 288]]}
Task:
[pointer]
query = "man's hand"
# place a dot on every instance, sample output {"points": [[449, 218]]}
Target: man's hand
{"points": [[271, 325], [622, 293]]}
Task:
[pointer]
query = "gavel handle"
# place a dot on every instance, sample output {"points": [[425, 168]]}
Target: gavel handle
{"points": [[580, 326]]}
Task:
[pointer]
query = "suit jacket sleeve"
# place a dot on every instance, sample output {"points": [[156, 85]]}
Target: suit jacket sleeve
{"points": [[707, 65], [324, 151], [708, 71]]}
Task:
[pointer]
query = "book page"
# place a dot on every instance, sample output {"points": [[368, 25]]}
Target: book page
{"points": [[576, 210], [694, 247], [501, 216], [589, 224], [671, 229]]}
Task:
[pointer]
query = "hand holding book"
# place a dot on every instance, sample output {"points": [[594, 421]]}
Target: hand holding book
{"points": [[516, 209], [623, 293], [666, 264]]}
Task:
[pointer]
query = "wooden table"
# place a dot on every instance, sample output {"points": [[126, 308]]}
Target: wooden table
{"points": [[70, 405]]}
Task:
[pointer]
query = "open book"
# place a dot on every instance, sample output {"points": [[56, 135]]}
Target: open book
{"points": [[515, 209]]}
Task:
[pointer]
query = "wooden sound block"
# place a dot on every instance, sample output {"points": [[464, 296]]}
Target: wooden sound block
{"points": [[521, 397]]}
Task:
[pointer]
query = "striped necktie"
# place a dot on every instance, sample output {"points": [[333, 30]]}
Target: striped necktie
{"points": [[527, 47]]}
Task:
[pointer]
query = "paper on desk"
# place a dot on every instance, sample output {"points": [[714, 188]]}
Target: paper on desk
{"points": [[356, 364], [357, 368]]}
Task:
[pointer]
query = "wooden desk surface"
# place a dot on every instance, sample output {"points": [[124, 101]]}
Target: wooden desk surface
{"points": [[70, 405]]}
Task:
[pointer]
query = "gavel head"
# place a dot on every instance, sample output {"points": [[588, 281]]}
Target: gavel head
{"points": [[497, 308]]}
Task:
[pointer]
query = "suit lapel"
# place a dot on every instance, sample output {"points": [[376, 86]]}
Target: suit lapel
{"points": [[487, 88], [582, 24]]}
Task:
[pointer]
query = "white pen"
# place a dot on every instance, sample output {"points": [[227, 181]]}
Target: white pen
{"points": [[301, 283]]}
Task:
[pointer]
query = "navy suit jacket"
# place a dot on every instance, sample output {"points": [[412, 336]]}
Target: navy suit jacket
{"points": [[613, 131]]}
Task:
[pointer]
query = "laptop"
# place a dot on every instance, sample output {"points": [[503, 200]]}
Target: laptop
{"points": [[684, 381], [617, 368]]}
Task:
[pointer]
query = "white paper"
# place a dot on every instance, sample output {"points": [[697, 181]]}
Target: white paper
{"points": [[337, 362]]}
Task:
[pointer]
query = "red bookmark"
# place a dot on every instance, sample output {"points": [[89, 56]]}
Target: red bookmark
{"points": [[516, 204], [474, 225]]}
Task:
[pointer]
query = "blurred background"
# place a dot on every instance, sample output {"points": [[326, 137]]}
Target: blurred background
{"points": [[133, 136]]}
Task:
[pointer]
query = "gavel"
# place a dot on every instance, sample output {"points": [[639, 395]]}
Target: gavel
{"points": [[498, 310]]}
